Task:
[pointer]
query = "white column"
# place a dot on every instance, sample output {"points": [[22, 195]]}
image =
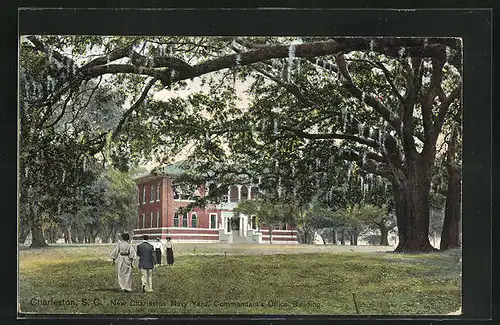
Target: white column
{"points": [[239, 193]]}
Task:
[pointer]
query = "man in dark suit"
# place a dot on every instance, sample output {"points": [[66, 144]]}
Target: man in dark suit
{"points": [[146, 254]]}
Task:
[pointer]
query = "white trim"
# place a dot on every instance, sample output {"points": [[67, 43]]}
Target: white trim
{"points": [[279, 242], [267, 230], [195, 241], [177, 200], [174, 235], [279, 236], [226, 215], [169, 228], [143, 220]]}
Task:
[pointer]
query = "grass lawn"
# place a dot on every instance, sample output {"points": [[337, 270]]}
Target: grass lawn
{"points": [[248, 279]]}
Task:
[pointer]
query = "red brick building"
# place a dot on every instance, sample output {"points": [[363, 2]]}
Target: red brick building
{"points": [[158, 215]]}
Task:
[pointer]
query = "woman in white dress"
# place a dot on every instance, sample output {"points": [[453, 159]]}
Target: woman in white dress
{"points": [[123, 255]]}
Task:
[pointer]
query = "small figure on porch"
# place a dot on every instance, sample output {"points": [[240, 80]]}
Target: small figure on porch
{"points": [[170, 251], [123, 256], [158, 251]]}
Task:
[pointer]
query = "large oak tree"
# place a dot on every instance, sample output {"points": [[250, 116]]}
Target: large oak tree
{"points": [[406, 96]]}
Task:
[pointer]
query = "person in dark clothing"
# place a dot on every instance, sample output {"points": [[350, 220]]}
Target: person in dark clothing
{"points": [[145, 251], [158, 251], [170, 251]]}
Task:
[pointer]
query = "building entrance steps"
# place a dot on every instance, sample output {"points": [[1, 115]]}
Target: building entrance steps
{"points": [[237, 239]]}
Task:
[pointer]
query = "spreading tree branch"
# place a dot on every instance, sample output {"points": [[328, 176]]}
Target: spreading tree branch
{"points": [[369, 99], [134, 107], [443, 109], [427, 101], [306, 135]]}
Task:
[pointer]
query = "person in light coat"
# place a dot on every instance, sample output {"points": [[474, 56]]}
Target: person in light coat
{"points": [[123, 256]]}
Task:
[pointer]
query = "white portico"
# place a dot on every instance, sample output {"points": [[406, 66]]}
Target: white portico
{"points": [[234, 225]]}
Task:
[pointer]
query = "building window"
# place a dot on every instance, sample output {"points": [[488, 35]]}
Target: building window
{"points": [[244, 193], [194, 220], [143, 221], [213, 220], [144, 194], [176, 219], [138, 196], [233, 194], [151, 220], [254, 222], [158, 191], [224, 199], [158, 219], [185, 221], [253, 192], [152, 193]]}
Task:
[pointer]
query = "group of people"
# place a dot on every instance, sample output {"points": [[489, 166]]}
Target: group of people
{"points": [[124, 255]]}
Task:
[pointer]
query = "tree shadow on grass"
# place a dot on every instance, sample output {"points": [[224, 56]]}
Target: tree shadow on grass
{"points": [[107, 290]]}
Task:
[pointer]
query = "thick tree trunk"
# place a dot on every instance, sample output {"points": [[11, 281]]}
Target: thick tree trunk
{"points": [[342, 238], [37, 237], [353, 237], [24, 231], [51, 234], [450, 235], [334, 238], [412, 209]]}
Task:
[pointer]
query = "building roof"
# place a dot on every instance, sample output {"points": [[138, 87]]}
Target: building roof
{"points": [[174, 169]]}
